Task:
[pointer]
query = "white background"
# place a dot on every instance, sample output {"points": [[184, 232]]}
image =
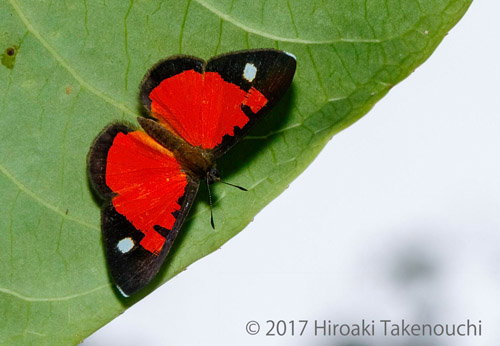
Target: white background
{"points": [[398, 217]]}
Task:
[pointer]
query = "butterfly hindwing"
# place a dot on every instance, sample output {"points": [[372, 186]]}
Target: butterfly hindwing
{"points": [[132, 266], [149, 197], [213, 107]]}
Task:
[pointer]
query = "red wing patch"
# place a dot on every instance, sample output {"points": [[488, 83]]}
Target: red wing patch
{"points": [[255, 100], [202, 108], [148, 183]]}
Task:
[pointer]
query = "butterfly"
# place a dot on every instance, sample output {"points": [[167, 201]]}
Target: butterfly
{"points": [[149, 177]]}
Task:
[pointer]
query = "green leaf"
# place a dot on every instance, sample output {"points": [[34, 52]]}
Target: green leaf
{"points": [[71, 67]]}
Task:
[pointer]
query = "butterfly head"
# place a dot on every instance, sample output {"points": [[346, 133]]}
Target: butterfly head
{"points": [[213, 175]]}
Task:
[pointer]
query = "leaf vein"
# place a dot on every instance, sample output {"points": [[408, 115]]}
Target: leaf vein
{"points": [[65, 65], [43, 202], [292, 19], [318, 75], [125, 34], [220, 37], [51, 299], [181, 35]]}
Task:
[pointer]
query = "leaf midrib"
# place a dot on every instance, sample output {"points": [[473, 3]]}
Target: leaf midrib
{"points": [[274, 37]]}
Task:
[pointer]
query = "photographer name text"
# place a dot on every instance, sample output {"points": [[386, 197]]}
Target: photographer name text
{"points": [[390, 328]]}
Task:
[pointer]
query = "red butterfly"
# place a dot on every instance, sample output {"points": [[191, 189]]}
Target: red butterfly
{"points": [[149, 177]]}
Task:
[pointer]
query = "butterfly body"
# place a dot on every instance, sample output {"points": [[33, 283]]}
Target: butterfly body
{"points": [[196, 162], [149, 177]]}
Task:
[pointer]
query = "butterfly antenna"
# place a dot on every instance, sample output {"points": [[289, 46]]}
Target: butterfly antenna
{"points": [[210, 201], [239, 187]]}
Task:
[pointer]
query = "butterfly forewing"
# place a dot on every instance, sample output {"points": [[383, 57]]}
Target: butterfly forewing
{"points": [[268, 72], [214, 105], [165, 69]]}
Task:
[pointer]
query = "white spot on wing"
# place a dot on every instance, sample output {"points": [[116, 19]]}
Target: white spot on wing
{"points": [[249, 72], [290, 54], [125, 245], [122, 293]]}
